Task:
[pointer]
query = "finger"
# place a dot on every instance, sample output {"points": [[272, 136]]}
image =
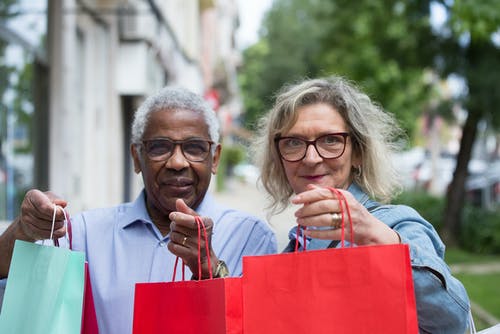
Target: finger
{"points": [[184, 240], [37, 213], [181, 206], [317, 208], [182, 221], [56, 199], [40, 205], [188, 254], [322, 220], [312, 195]]}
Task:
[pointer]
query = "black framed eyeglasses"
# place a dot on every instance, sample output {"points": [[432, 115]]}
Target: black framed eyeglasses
{"points": [[161, 149], [329, 146]]}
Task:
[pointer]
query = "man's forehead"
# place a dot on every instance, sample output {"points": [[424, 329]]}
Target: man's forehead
{"points": [[178, 121]]}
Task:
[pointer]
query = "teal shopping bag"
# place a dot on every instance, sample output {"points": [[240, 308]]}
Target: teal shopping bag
{"points": [[44, 291]]}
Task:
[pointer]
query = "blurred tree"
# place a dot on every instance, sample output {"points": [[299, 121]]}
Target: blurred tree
{"points": [[474, 55], [287, 52], [384, 46]]}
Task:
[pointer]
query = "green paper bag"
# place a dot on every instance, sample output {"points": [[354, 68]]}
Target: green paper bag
{"points": [[44, 291]]}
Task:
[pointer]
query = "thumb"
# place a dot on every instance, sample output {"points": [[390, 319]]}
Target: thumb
{"points": [[181, 206]]}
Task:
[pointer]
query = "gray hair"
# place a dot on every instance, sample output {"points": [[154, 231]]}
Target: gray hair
{"points": [[174, 98], [373, 133]]}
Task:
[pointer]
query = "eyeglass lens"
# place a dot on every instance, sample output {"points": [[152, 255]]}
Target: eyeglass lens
{"points": [[161, 149], [329, 146]]}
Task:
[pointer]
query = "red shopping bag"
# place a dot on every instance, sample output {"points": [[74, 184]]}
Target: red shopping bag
{"points": [[197, 306], [365, 289], [206, 306], [89, 319]]}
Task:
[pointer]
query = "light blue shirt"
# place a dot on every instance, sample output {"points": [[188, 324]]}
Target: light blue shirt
{"points": [[442, 301], [124, 247]]}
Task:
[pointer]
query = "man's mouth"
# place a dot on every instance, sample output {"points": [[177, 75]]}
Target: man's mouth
{"points": [[180, 183]]}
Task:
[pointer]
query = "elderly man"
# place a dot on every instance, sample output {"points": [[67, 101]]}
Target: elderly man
{"points": [[175, 146]]}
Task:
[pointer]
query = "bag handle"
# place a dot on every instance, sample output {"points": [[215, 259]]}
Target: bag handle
{"points": [[201, 226], [341, 198], [67, 222]]}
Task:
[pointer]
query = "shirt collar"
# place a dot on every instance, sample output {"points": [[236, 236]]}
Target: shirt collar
{"points": [[358, 193], [135, 212]]}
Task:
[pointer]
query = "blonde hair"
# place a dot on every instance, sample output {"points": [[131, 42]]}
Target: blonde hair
{"points": [[373, 133]]}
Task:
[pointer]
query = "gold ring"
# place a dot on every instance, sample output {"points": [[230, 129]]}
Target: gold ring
{"points": [[336, 219], [184, 241]]}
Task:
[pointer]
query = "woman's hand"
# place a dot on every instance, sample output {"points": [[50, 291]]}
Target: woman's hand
{"points": [[321, 214]]}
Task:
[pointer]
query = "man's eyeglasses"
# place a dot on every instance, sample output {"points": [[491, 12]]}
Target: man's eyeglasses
{"points": [[329, 146], [161, 149]]}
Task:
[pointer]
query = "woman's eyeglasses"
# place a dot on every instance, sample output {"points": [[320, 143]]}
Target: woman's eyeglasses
{"points": [[161, 149], [329, 146]]}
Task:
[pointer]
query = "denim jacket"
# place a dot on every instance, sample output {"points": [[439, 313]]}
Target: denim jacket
{"points": [[442, 301]]}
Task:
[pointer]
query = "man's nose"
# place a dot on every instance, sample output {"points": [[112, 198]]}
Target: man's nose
{"points": [[177, 160]]}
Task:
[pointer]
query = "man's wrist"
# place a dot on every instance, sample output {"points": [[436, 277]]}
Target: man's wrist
{"points": [[221, 270], [21, 232]]}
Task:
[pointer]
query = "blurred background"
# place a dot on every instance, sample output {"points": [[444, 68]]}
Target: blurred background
{"points": [[72, 72]]}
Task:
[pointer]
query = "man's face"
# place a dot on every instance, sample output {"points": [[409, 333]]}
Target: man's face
{"points": [[174, 177]]}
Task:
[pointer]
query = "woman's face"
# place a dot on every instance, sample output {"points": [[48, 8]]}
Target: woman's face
{"points": [[313, 121]]}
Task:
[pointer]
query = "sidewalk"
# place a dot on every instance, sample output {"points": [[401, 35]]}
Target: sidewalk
{"points": [[247, 197]]}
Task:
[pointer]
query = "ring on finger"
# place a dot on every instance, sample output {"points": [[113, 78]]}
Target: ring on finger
{"points": [[336, 219], [184, 241]]}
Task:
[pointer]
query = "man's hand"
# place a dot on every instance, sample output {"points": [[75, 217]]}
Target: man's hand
{"points": [[37, 211], [34, 223], [184, 239]]}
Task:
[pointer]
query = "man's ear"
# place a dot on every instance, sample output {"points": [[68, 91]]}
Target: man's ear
{"points": [[216, 158], [136, 158]]}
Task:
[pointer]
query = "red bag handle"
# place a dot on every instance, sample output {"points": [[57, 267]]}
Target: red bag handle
{"points": [[341, 198], [201, 226]]}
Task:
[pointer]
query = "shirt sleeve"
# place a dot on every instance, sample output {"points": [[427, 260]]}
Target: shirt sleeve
{"points": [[442, 301]]}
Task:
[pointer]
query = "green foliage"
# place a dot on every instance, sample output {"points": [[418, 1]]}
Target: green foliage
{"points": [[286, 53], [480, 19], [231, 155], [484, 290], [378, 44], [456, 255], [255, 97], [480, 231]]}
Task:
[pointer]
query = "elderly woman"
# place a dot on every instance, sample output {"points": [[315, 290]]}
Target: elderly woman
{"points": [[326, 133]]}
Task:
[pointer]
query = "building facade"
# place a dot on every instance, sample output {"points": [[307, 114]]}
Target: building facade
{"points": [[102, 59]]}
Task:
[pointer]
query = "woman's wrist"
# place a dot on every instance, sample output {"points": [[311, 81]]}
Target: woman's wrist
{"points": [[381, 234]]}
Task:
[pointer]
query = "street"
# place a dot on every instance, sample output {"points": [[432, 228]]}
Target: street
{"points": [[245, 196]]}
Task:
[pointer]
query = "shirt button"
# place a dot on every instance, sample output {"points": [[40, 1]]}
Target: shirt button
{"points": [[162, 243]]}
